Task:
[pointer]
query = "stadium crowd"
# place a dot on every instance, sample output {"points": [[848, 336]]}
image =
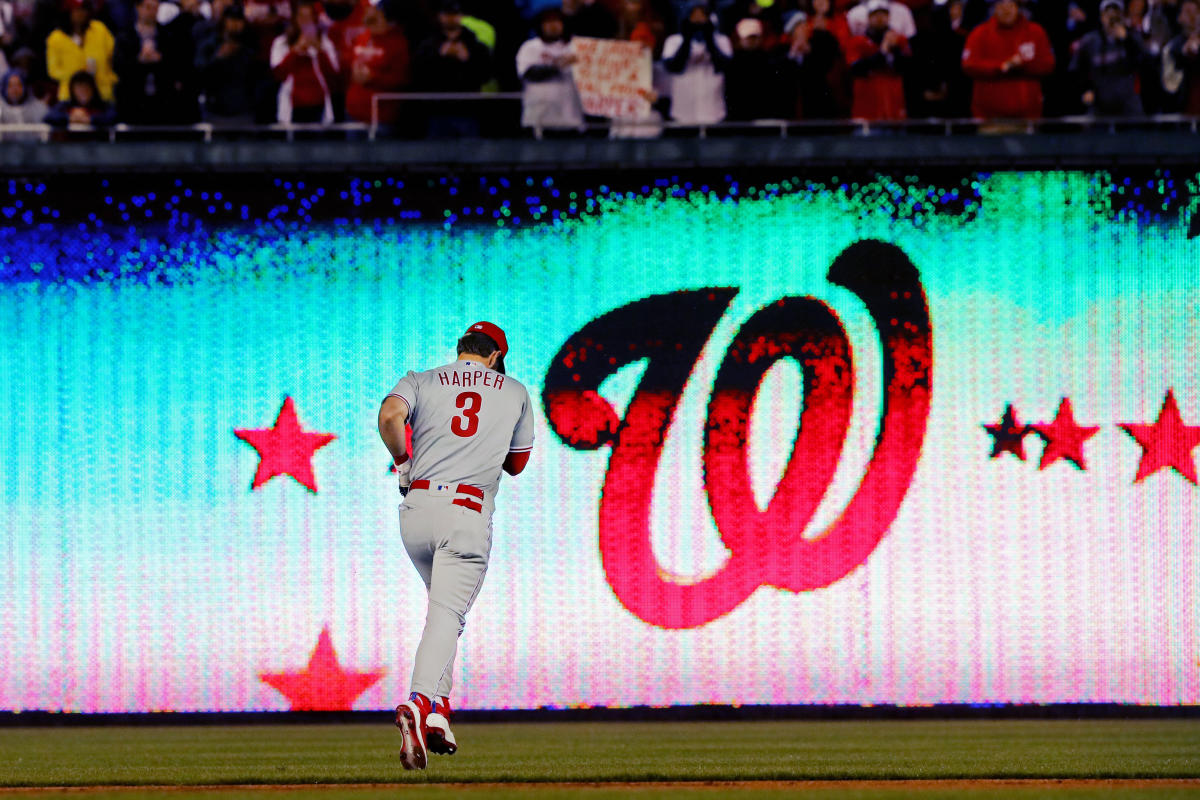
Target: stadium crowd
{"points": [[92, 63]]}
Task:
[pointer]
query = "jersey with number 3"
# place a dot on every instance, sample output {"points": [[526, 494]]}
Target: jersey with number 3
{"points": [[465, 421]]}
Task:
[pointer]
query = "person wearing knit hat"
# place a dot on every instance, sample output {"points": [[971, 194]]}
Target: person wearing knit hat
{"points": [[1107, 63]]}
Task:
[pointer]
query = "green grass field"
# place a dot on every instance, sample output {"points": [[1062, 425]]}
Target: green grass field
{"points": [[660, 759]]}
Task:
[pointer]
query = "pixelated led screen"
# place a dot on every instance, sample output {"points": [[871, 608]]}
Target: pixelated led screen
{"points": [[907, 439]]}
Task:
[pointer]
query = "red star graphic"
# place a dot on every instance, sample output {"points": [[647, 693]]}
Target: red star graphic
{"points": [[323, 685], [1008, 435], [1064, 437], [1166, 443], [285, 449]]}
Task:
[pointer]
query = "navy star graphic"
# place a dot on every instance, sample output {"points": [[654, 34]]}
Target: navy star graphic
{"points": [[1008, 435]]}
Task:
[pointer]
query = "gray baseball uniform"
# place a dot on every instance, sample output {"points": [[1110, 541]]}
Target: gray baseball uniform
{"points": [[465, 421]]}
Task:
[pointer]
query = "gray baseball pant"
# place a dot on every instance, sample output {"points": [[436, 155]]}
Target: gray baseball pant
{"points": [[449, 545]]}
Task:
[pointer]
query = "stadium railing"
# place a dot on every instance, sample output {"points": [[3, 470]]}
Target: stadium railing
{"points": [[429, 103]]}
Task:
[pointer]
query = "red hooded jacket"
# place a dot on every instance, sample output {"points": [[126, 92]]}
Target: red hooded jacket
{"points": [[1017, 93], [386, 56], [879, 87]]}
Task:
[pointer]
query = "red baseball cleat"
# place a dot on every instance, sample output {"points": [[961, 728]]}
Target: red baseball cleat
{"points": [[410, 719], [438, 736]]}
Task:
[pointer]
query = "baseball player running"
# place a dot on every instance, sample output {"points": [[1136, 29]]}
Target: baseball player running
{"points": [[469, 420]]}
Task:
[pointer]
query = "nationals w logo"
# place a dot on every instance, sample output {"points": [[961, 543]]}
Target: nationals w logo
{"points": [[767, 548]]}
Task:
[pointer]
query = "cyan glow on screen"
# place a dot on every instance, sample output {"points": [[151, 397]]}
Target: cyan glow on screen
{"points": [[145, 574]]}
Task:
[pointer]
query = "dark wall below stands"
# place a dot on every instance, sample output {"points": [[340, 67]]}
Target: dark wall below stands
{"points": [[1092, 149]]}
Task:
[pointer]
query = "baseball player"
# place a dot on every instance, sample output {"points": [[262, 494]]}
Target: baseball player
{"points": [[469, 420]]}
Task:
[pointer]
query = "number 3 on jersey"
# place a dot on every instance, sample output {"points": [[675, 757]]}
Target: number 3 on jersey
{"points": [[468, 423]]}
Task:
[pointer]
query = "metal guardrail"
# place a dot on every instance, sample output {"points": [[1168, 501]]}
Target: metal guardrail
{"points": [[434, 97], [618, 128]]}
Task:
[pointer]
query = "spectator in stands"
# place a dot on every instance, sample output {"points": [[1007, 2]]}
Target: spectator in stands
{"points": [[151, 90], [550, 99], [588, 18], [19, 106], [236, 83], [1136, 12], [206, 27], [696, 59], [304, 62], [1181, 61], [181, 49], [451, 60], [1161, 24], [637, 22], [14, 30], [756, 87], [1007, 57], [937, 85], [343, 24], [81, 43], [900, 19], [814, 53], [266, 20], [878, 60], [822, 16], [1107, 63], [84, 109], [379, 63], [769, 14]]}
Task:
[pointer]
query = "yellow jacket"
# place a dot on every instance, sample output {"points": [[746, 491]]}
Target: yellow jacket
{"points": [[64, 58]]}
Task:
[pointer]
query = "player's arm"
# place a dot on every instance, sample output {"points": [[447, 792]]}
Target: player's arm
{"points": [[522, 441], [515, 462], [392, 416]]}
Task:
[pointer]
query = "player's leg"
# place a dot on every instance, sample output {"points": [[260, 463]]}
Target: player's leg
{"points": [[457, 578], [458, 571], [420, 540], [419, 526]]}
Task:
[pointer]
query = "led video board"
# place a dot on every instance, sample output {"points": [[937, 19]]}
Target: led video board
{"points": [[831, 439]]}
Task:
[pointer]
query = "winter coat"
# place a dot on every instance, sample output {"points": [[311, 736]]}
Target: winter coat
{"points": [[758, 85], [1017, 93], [437, 73], [878, 78], [30, 111], [321, 67], [102, 114], [549, 97], [65, 57], [1181, 76], [697, 77], [936, 65], [1110, 68], [236, 86], [153, 93], [387, 58]]}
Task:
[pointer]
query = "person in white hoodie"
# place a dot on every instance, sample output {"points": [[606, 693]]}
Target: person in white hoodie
{"points": [[696, 60], [19, 106], [550, 99]]}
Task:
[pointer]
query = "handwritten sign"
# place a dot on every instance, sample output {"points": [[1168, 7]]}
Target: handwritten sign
{"points": [[611, 76]]}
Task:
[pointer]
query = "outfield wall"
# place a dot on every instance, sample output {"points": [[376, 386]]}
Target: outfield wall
{"points": [[773, 460]]}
